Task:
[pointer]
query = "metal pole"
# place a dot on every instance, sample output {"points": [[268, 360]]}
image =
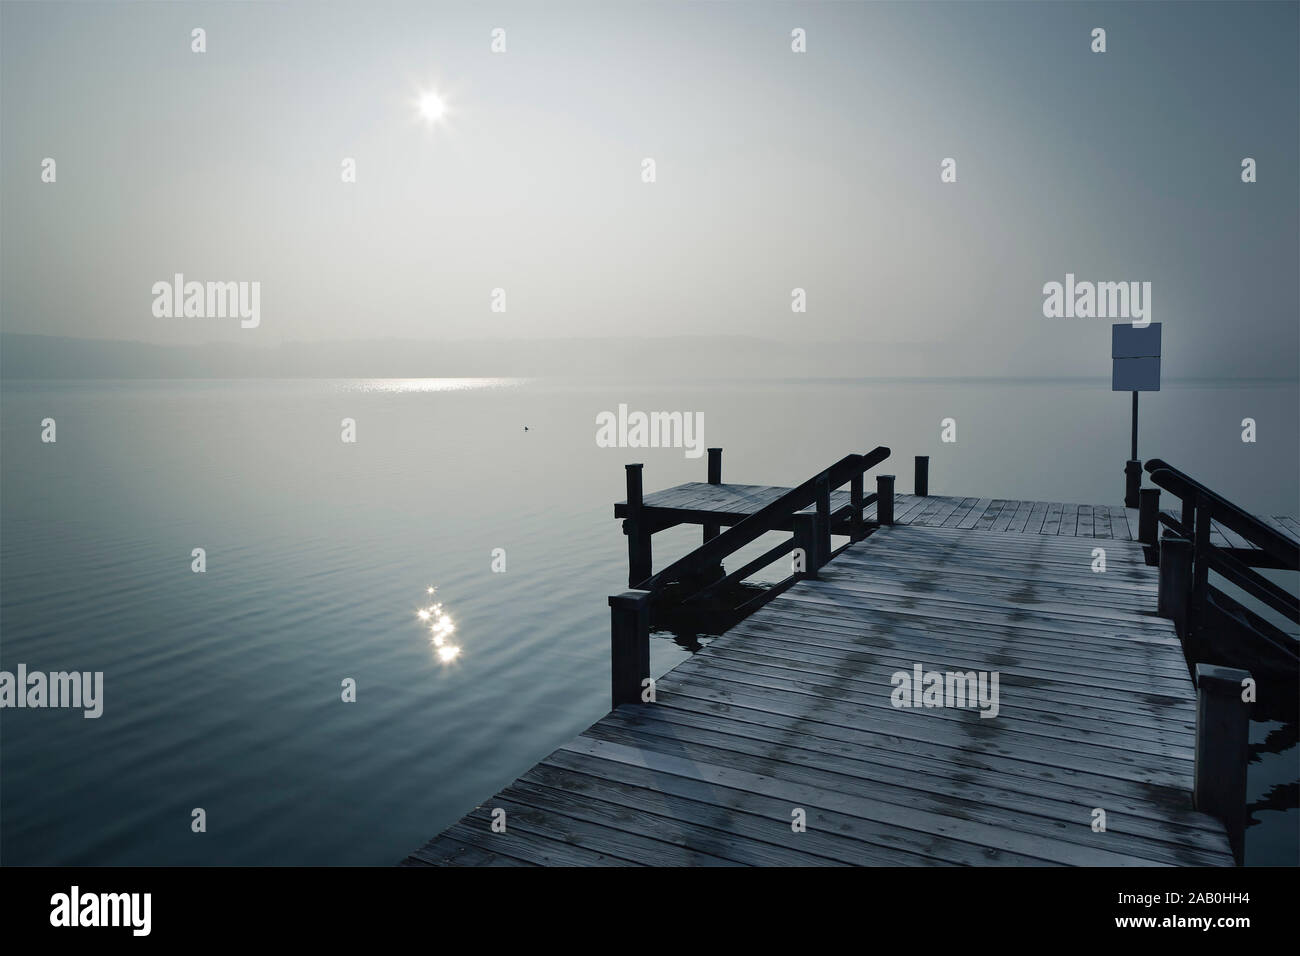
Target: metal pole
{"points": [[1134, 456]]}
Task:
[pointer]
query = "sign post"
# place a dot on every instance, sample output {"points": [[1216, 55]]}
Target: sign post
{"points": [[1135, 358]]}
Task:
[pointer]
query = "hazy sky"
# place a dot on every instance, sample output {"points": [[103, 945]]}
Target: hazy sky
{"points": [[775, 170]]}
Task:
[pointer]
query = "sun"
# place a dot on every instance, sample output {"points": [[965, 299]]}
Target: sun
{"points": [[432, 106]]}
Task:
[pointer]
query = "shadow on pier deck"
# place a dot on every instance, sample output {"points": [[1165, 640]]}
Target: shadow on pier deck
{"points": [[790, 711]]}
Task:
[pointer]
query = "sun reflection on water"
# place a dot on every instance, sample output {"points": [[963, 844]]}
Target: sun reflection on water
{"points": [[407, 385], [441, 627]]}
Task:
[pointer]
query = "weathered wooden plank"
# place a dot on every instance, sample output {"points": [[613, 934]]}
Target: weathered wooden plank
{"points": [[1065, 564], [1084, 528], [1008, 514], [951, 763], [860, 841], [639, 837], [746, 827], [1011, 730], [880, 780], [937, 511], [1052, 523], [976, 512], [1023, 510], [862, 602], [1124, 522], [908, 506], [1037, 673], [951, 506], [1024, 712], [682, 821], [1061, 605], [990, 515], [805, 787], [524, 844], [1034, 698], [443, 850], [1036, 518], [1044, 750], [960, 512], [1069, 519], [1005, 569], [818, 623]]}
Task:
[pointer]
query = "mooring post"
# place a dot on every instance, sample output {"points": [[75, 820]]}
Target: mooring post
{"points": [[855, 507], [1132, 481], [1222, 749], [629, 648], [1149, 515], [712, 528], [884, 499], [805, 543], [1175, 588], [638, 534], [922, 483], [823, 519]]}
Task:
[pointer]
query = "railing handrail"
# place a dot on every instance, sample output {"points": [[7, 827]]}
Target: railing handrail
{"points": [[765, 519], [1269, 540]]}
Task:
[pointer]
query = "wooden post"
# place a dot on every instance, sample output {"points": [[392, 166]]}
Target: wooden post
{"points": [[885, 499], [1222, 750], [855, 504], [629, 657], [1132, 481], [1149, 516], [805, 540], [1175, 579], [712, 528], [638, 534], [922, 483], [823, 520]]}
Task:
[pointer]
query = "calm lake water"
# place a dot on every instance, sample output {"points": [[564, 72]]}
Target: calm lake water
{"points": [[222, 689]]}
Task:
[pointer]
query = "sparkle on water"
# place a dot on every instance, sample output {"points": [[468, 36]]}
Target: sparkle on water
{"points": [[440, 628], [396, 385]]}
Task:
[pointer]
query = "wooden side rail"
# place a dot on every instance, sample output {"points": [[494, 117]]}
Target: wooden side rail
{"points": [[695, 585], [1206, 617], [1195, 496], [764, 519]]}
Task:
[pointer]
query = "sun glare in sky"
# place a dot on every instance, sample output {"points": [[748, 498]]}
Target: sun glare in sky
{"points": [[432, 106]]}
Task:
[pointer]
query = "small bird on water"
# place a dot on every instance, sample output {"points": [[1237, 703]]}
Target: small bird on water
{"points": [[525, 428]]}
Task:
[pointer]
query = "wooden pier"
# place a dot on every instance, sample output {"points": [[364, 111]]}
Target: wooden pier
{"points": [[785, 740]]}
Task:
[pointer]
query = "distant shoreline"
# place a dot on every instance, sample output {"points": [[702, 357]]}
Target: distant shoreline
{"points": [[714, 359]]}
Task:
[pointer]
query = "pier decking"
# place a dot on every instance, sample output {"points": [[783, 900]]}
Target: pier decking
{"points": [[790, 710], [697, 502]]}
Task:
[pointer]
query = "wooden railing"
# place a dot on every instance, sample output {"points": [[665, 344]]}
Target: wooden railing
{"points": [[1187, 556], [696, 589]]}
